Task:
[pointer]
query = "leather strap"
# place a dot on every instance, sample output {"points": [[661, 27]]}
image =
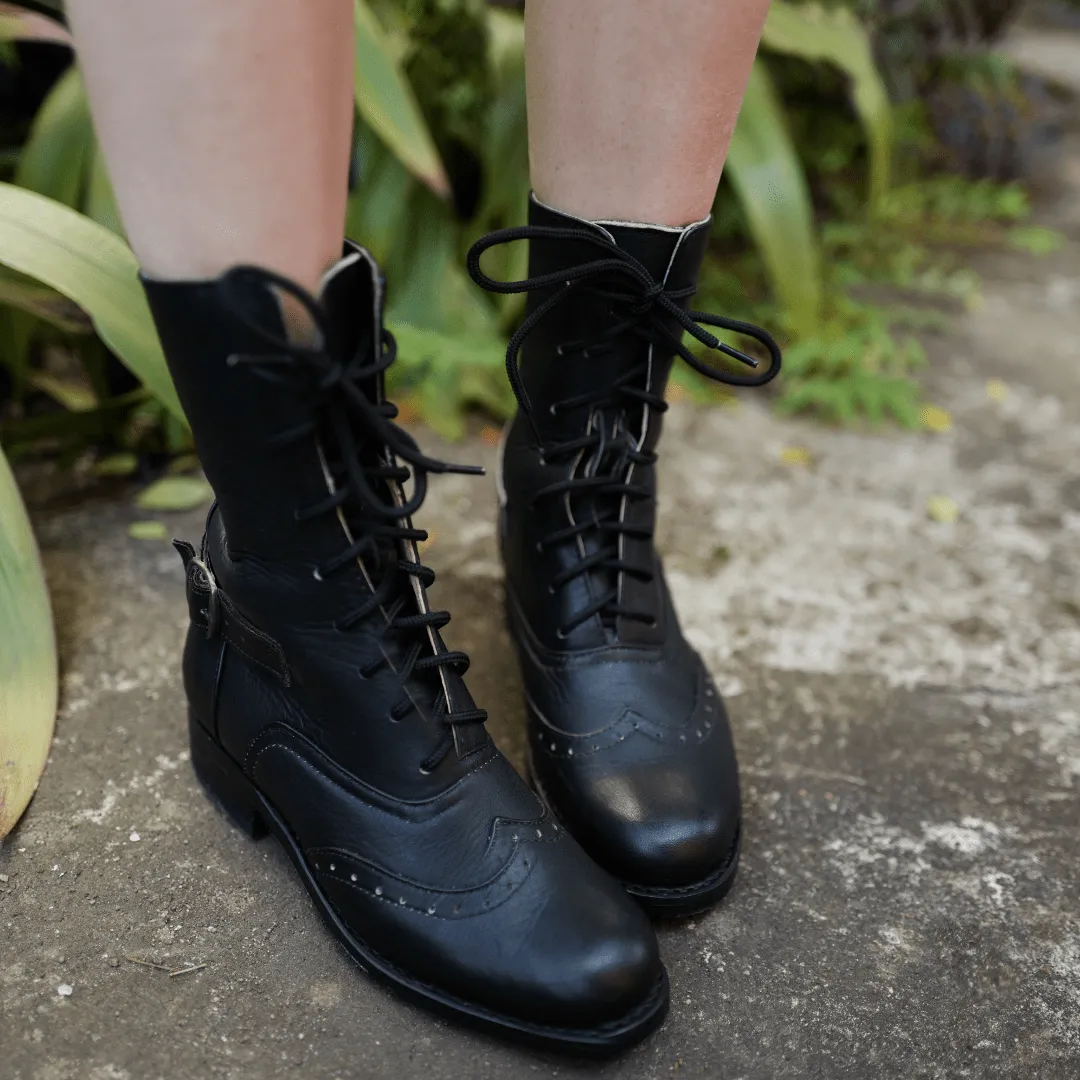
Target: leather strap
{"points": [[215, 613]]}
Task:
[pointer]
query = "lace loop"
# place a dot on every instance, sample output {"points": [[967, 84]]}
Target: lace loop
{"points": [[643, 302]]}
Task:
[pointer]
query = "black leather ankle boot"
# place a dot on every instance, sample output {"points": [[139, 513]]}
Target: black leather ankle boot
{"points": [[326, 709], [628, 739]]}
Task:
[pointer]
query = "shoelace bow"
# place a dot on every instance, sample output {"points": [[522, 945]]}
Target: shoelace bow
{"points": [[368, 495], [609, 458]]}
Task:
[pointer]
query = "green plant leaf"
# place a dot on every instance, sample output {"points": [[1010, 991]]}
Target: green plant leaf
{"points": [[448, 374], [43, 303], [148, 530], [100, 200], [28, 669], [94, 268], [91, 425], [56, 157], [1034, 239], [385, 100], [74, 394], [121, 464], [768, 178], [834, 34], [175, 493]]}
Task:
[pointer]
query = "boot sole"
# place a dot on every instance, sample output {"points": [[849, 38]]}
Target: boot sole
{"points": [[249, 810], [665, 902]]}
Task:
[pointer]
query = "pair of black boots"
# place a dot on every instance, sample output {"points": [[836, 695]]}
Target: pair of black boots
{"points": [[324, 706]]}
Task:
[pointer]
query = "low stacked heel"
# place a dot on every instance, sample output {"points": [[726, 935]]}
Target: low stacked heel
{"points": [[225, 782]]}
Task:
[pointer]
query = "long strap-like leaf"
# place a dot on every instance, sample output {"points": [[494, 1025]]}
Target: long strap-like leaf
{"points": [[93, 267], [767, 176], [28, 671]]}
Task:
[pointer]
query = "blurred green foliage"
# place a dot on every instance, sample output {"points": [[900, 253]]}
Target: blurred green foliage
{"points": [[831, 195]]}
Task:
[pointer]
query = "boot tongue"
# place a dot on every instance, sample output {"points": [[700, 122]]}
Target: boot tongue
{"points": [[352, 289]]}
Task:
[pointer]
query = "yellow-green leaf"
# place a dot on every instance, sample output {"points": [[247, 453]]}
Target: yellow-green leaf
{"points": [[56, 157], [28, 672], [73, 394], [43, 303], [936, 418], [148, 530], [942, 508], [834, 34], [175, 493], [121, 464], [386, 101], [768, 178], [93, 267]]}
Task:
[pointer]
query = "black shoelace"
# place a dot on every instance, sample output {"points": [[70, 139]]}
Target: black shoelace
{"points": [[367, 477], [608, 458]]}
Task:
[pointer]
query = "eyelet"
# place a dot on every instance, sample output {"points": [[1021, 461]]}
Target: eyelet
{"points": [[539, 547], [425, 772], [560, 635], [316, 575]]}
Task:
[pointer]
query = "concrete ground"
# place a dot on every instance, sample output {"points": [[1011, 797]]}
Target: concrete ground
{"points": [[906, 698]]}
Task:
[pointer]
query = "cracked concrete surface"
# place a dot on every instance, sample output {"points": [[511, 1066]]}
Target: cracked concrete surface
{"points": [[906, 700]]}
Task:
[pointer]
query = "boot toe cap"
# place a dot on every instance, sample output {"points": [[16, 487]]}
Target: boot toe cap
{"points": [[593, 957], [654, 827]]}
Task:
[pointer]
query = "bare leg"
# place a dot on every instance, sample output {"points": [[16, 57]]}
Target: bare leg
{"points": [[632, 102], [225, 124]]}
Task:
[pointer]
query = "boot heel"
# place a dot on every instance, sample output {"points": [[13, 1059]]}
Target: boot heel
{"points": [[225, 782]]}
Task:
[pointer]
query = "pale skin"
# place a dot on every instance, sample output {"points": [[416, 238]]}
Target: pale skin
{"points": [[226, 125], [632, 103]]}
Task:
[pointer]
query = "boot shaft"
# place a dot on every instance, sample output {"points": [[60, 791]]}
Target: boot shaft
{"points": [[568, 354], [309, 592], [206, 328], [593, 372]]}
